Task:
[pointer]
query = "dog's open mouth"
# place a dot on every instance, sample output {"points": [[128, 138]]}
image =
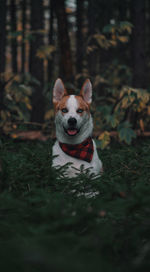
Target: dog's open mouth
{"points": [[71, 131]]}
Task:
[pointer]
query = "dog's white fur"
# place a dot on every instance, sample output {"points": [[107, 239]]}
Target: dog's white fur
{"points": [[84, 125]]}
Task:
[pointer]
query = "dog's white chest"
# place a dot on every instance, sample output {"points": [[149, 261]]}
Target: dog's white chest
{"points": [[95, 166]]}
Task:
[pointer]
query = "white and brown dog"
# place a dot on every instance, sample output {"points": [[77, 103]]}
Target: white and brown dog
{"points": [[74, 128]]}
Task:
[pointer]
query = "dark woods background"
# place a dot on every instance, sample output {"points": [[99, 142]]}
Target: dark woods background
{"points": [[107, 41], [49, 222]]}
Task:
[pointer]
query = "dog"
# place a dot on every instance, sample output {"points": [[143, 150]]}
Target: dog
{"points": [[74, 126]]}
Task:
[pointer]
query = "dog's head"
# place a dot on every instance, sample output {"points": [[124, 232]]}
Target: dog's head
{"points": [[73, 119]]}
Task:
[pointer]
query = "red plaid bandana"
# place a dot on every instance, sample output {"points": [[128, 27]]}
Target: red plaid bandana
{"points": [[83, 151]]}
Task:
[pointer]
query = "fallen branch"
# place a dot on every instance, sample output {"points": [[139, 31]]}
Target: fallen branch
{"points": [[114, 134]]}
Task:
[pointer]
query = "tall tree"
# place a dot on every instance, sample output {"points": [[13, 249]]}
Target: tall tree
{"points": [[66, 66], [36, 64], [122, 8], [92, 27], [23, 6], [13, 40], [79, 35], [138, 43], [51, 38], [2, 48]]}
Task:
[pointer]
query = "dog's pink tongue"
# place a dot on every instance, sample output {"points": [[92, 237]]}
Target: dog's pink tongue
{"points": [[72, 132]]}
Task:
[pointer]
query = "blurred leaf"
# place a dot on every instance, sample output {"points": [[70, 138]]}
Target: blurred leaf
{"points": [[108, 28], [45, 52], [104, 139], [126, 26], [126, 133], [102, 41], [123, 39], [15, 34], [49, 114], [113, 42], [26, 89], [112, 120]]}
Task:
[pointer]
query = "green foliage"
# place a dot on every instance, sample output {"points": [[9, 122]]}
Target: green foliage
{"points": [[118, 33], [104, 140], [112, 120], [125, 132], [17, 101], [14, 34], [127, 110], [46, 52], [119, 27], [118, 107], [49, 224]]}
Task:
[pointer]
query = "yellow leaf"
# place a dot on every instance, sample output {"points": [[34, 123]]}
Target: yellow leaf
{"points": [[113, 42], [141, 106], [29, 107], [49, 114], [26, 99], [45, 52], [123, 39], [104, 138], [113, 37], [128, 28], [102, 135], [125, 102]]}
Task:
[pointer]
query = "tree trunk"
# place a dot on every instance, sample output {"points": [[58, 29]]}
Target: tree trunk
{"points": [[51, 39], [36, 64], [138, 43], [122, 6], [23, 56], [13, 39], [79, 36], [66, 66], [92, 26], [2, 48]]}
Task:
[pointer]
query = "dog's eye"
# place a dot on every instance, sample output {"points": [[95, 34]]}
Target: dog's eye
{"points": [[79, 111], [64, 110]]}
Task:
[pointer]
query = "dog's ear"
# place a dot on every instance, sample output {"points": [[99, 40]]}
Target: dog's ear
{"points": [[58, 91], [86, 91]]}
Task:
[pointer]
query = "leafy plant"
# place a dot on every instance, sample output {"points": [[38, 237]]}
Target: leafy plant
{"points": [[57, 227], [46, 52], [127, 111], [125, 132], [17, 101], [118, 32]]}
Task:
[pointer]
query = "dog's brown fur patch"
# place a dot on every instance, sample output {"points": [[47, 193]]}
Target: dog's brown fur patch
{"points": [[62, 104], [82, 104]]}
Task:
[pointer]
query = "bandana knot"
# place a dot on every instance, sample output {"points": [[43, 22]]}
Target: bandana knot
{"points": [[83, 151]]}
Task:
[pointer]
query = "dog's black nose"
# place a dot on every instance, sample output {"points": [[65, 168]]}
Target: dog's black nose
{"points": [[72, 121]]}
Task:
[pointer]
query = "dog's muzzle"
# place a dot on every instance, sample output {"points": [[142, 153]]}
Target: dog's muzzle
{"points": [[71, 130], [72, 122]]}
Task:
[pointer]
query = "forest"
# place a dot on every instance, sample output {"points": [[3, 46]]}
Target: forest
{"points": [[48, 223], [74, 40]]}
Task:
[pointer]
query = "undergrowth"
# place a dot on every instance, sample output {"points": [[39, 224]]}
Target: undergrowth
{"points": [[49, 223]]}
